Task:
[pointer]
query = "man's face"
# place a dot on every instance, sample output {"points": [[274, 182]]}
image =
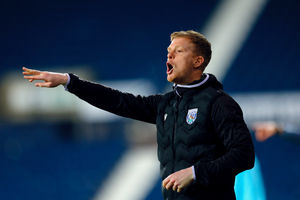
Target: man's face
{"points": [[181, 61]]}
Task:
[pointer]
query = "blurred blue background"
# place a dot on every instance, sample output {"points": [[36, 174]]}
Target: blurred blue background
{"points": [[52, 148]]}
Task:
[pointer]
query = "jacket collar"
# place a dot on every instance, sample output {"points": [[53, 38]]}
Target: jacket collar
{"points": [[180, 89]]}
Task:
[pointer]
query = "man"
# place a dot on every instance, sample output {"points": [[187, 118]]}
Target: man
{"points": [[203, 141], [267, 129]]}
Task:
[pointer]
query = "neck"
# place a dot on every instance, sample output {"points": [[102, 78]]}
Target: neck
{"points": [[195, 76]]}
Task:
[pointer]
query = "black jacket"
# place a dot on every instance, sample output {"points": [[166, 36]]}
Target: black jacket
{"points": [[228, 151]]}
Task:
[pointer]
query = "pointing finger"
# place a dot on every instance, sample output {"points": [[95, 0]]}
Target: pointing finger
{"points": [[31, 78], [27, 71]]}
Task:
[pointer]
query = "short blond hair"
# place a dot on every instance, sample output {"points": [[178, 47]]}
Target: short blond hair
{"points": [[202, 45]]}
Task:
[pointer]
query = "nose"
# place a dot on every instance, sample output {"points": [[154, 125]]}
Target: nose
{"points": [[170, 55]]}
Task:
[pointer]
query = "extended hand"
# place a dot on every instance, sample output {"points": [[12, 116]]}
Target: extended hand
{"points": [[50, 79], [265, 130], [179, 180]]}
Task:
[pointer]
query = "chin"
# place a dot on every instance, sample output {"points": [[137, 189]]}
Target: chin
{"points": [[173, 79], [170, 79]]}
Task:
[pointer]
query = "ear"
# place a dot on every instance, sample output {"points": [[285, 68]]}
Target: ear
{"points": [[198, 61]]}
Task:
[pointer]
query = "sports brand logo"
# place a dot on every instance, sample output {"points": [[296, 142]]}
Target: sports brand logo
{"points": [[191, 115]]}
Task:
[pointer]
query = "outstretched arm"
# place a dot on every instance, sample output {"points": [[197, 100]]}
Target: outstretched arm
{"points": [[51, 79], [114, 101]]}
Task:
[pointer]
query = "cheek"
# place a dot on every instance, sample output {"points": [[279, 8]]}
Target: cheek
{"points": [[184, 63], [187, 64]]}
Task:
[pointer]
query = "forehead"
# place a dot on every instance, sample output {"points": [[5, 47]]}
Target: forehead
{"points": [[181, 42]]}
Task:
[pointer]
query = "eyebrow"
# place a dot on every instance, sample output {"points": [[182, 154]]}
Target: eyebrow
{"points": [[176, 47]]}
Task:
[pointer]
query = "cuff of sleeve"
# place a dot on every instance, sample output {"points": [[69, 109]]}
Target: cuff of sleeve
{"points": [[68, 82], [194, 174]]}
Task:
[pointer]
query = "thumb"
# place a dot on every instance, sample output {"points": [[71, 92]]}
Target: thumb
{"points": [[43, 84]]}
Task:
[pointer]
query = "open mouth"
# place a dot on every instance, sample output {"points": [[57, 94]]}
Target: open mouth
{"points": [[169, 68]]}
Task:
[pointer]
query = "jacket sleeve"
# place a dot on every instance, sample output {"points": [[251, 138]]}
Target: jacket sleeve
{"points": [[114, 101], [232, 132]]}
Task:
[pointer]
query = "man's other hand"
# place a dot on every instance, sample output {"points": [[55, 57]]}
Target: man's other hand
{"points": [[179, 180]]}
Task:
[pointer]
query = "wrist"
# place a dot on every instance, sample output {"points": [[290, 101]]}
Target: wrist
{"points": [[65, 79]]}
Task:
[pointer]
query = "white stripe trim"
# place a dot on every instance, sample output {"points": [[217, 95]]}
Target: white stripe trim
{"points": [[177, 93], [134, 176], [195, 85], [227, 31]]}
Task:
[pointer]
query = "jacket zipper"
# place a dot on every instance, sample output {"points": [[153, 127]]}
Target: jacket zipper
{"points": [[173, 137]]}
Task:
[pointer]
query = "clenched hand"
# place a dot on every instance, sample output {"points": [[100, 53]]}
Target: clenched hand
{"points": [[179, 180]]}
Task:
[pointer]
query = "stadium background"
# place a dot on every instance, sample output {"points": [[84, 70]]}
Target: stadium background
{"points": [[53, 146]]}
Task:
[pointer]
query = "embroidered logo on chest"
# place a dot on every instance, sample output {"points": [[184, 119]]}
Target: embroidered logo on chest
{"points": [[191, 116]]}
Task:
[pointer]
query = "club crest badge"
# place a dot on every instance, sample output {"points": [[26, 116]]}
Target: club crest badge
{"points": [[191, 116]]}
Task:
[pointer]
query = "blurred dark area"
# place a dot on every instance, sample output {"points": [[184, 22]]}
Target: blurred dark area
{"points": [[116, 39]]}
